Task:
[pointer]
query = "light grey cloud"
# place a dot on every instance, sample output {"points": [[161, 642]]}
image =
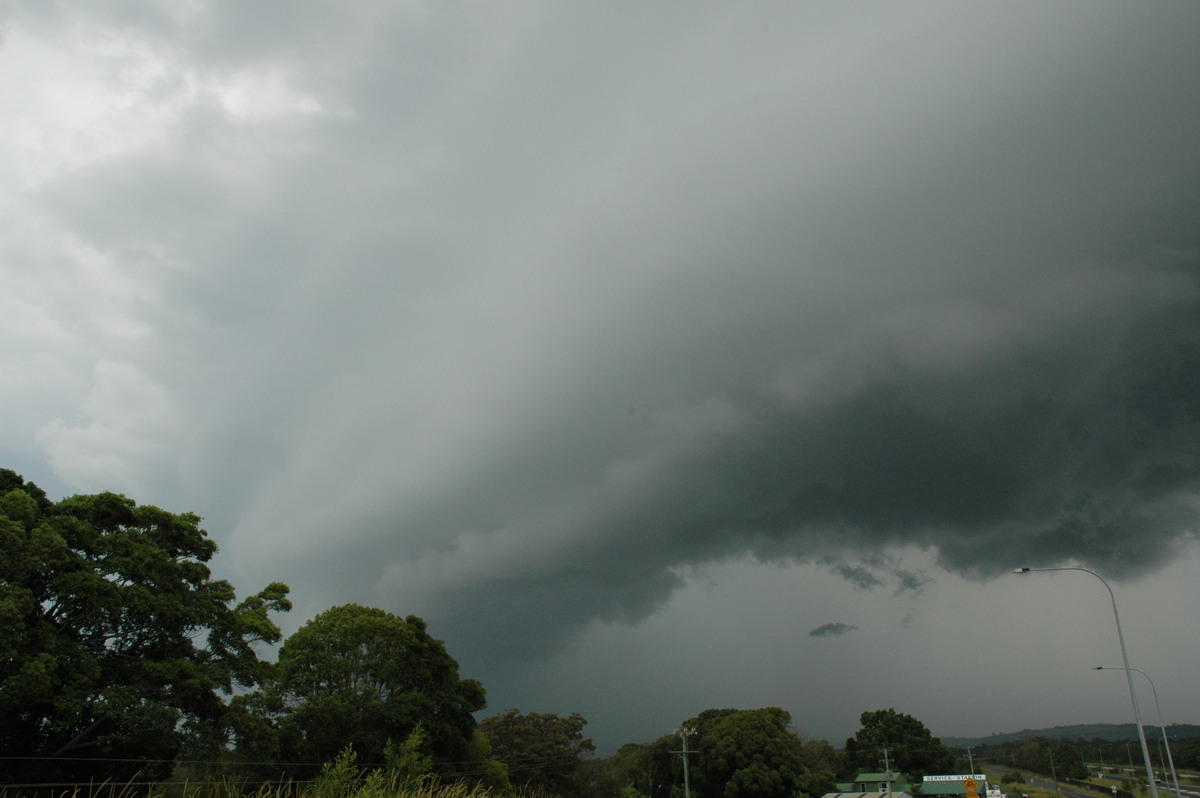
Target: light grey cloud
{"points": [[832, 629]]}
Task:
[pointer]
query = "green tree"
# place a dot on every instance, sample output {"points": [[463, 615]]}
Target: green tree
{"points": [[748, 753], [911, 748], [614, 776], [542, 751], [1187, 754], [636, 769], [822, 764], [650, 769], [116, 642], [818, 755], [1066, 761], [359, 677], [1039, 755], [479, 766]]}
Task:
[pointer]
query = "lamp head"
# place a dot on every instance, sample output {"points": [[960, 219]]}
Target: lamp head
{"points": [[1020, 570]]}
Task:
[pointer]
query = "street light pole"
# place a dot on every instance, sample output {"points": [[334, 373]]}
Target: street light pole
{"points": [[1137, 718], [1161, 725]]}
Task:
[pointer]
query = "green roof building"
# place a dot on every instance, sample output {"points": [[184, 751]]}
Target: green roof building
{"points": [[874, 785], [895, 785]]}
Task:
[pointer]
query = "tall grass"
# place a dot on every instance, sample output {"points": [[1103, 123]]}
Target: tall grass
{"points": [[342, 778], [370, 787]]}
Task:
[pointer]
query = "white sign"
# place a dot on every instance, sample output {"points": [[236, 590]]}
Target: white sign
{"points": [[977, 777]]}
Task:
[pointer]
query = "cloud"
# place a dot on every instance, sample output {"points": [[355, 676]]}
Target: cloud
{"points": [[514, 317], [859, 575], [130, 420], [832, 630], [875, 570]]}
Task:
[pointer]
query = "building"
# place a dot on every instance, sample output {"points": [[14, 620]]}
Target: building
{"points": [[874, 785], [895, 785]]}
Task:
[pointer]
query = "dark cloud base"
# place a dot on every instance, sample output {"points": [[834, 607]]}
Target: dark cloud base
{"points": [[1084, 447]]}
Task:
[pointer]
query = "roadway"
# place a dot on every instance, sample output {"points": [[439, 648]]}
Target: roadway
{"points": [[1165, 790]]}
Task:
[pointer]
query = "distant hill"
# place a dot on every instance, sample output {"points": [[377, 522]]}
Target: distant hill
{"points": [[1109, 732]]}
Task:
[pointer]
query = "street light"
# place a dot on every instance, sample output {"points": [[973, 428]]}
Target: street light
{"points": [[1161, 725], [1137, 718]]}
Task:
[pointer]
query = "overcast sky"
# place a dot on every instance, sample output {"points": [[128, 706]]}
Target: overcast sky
{"points": [[662, 356]]}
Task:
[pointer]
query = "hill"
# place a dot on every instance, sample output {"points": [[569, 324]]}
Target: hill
{"points": [[1109, 732]]}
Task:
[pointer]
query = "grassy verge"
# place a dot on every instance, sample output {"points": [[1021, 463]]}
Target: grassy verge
{"points": [[422, 788]]}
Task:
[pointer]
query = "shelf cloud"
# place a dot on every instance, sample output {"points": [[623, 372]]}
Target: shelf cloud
{"points": [[516, 316]]}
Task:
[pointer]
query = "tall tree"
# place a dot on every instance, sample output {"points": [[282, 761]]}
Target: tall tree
{"points": [[541, 750], [749, 753], [360, 677], [822, 764], [818, 755], [614, 776], [115, 641], [900, 740], [650, 769]]}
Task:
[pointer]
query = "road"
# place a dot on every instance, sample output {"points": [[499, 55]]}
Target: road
{"points": [[1065, 790], [1068, 791], [1014, 790]]}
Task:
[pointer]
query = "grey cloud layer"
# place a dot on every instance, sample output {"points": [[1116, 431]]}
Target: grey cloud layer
{"points": [[520, 313]]}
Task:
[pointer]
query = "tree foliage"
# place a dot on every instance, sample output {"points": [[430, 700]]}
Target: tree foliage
{"points": [[116, 642], [818, 755], [748, 754], [359, 677], [761, 757], [822, 764], [1187, 754], [542, 751], [1050, 758], [644, 769], [910, 747]]}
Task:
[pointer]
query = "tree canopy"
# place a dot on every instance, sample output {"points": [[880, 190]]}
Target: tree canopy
{"points": [[902, 741], [1051, 758], [749, 753], [115, 641], [642, 769], [1189, 753], [541, 750], [360, 677]]}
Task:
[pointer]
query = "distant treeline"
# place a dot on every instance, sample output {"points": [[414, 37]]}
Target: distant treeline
{"points": [[1110, 732]]}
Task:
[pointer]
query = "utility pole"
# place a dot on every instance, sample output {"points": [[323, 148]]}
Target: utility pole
{"points": [[887, 771], [684, 733]]}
